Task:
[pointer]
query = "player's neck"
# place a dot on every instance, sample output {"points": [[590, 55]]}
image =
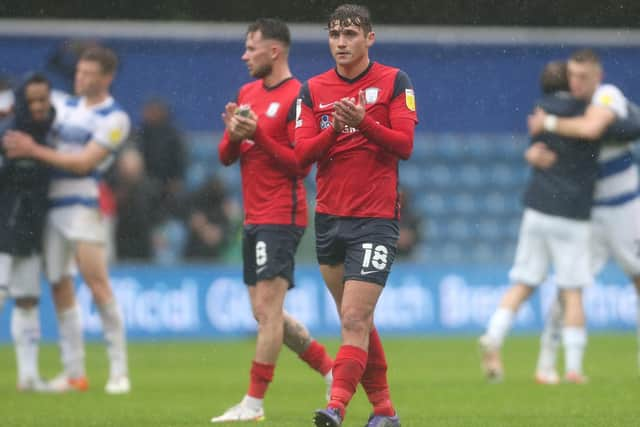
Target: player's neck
{"points": [[277, 75], [351, 71], [96, 99]]}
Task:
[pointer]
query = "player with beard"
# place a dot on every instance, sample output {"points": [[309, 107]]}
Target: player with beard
{"points": [[259, 133]]}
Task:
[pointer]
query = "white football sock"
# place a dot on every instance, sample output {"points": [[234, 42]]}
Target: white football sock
{"points": [[252, 402], [115, 337], [499, 325], [551, 338], [25, 330], [71, 342], [574, 340], [328, 378]]}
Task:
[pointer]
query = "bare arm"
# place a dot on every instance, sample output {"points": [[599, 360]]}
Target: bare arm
{"points": [[19, 144], [591, 126], [539, 156]]}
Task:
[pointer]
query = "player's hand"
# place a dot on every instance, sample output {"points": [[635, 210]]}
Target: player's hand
{"points": [[245, 127], [349, 112], [540, 156], [228, 113], [18, 144], [535, 121]]}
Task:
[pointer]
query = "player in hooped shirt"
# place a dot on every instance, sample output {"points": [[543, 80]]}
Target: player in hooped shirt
{"points": [[259, 132], [87, 133], [356, 121]]}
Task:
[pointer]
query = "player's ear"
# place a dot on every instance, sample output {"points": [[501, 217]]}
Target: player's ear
{"points": [[276, 51], [371, 38]]}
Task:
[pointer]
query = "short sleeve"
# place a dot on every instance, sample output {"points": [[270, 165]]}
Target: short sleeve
{"points": [[611, 97], [112, 130], [403, 100]]}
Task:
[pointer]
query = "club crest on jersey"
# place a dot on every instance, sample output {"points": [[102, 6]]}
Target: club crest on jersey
{"points": [[410, 99], [371, 95], [324, 121], [273, 109]]}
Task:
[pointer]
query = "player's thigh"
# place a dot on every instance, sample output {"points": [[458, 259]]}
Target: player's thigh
{"points": [[569, 243], [330, 246], [531, 263], [269, 296], [333, 276], [359, 301], [91, 258], [25, 277], [371, 249], [58, 254], [623, 226]]}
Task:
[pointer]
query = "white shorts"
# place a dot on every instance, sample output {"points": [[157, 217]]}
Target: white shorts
{"points": [[616, 234], [21, 275], [64, 227], [547, 240]]}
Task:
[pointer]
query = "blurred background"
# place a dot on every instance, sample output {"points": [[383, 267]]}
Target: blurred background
{"points": [[176, 212]]}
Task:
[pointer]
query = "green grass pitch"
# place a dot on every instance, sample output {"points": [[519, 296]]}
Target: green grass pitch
{"points": [[434, 382]]}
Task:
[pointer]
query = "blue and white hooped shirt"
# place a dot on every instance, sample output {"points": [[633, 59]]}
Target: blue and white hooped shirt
{"points": [[77, 124], [618, 174]]}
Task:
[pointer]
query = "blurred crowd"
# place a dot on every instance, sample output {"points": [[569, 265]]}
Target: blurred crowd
{"points": [[155, 218]]}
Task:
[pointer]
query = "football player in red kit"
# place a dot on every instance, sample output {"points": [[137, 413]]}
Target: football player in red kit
{"points": [[259, 132], [356, 121]]}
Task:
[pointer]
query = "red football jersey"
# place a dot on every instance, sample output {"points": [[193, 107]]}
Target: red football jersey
{"points": [[272, 183], [357, 168]]}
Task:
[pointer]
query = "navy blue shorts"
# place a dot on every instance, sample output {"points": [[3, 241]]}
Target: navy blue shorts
{"points": [[268, 251], [366, 246]]}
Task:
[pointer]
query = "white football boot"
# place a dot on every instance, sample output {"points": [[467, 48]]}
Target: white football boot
{"points": [[240, 412], [118, 385]]}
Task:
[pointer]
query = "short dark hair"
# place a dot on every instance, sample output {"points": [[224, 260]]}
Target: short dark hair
{"points": [[102, 55], [351, 14], [37, 78], [554, 77], [585, 55], [272, 29]]}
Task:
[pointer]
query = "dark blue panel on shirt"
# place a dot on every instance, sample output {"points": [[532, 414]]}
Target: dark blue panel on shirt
{"points": [[566, 188], [401, 83]]}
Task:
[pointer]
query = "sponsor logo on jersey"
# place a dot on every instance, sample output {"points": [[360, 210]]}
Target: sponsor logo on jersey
{"points": [[298, 112], [273, 109], [410, 99], [371, 95], [115, 136], [322, 106], [606, 99]]}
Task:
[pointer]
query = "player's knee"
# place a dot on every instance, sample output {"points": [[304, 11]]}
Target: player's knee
{"points": [[355, 320], [63, 294], [266, 313]]}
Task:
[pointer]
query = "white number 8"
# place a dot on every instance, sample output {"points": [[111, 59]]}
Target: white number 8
{"points": [[261, 253]]}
